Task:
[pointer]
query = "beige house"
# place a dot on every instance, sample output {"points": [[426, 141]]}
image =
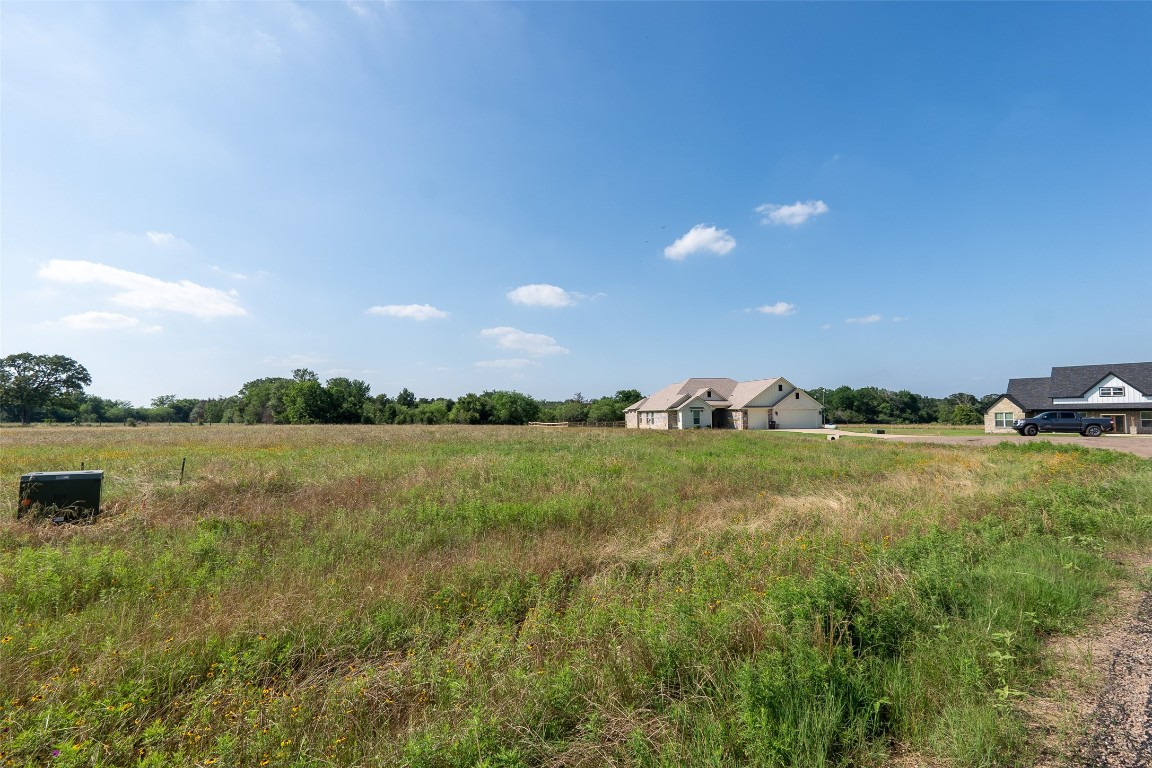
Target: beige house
{"points": [[1121, 392], [726, 404]]}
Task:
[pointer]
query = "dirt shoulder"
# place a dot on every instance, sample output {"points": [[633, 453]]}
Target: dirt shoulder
{"points": [[1097, 709]]}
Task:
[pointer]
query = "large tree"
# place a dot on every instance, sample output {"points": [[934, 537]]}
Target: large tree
{"points": [[29, 381]]}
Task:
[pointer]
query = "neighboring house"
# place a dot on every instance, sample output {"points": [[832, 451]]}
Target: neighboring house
{"points": [[1121, 392], [726, 404]]}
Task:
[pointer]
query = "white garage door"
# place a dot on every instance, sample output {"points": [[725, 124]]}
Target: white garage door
{"points": [[798, 420]]}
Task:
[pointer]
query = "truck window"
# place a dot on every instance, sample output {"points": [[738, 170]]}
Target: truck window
{"points": [[1067, 415]]}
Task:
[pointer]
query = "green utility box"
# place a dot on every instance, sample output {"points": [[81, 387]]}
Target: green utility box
{"points": [[62, 496]]}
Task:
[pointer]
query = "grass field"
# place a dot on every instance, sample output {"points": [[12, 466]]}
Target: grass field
{"points": [[454, 596]]}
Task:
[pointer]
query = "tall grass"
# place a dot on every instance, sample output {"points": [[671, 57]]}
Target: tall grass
{"points": [[443, 596]]}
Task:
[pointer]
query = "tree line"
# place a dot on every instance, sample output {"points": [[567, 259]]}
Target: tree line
{"points": [[874, 405], [51, 388]]}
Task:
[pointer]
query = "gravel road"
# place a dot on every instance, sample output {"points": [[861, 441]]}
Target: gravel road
{"points": [[1141, 445], [1120, 735]]}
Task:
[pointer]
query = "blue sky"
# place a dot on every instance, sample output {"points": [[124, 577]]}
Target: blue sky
{"points": [[563, 197]]}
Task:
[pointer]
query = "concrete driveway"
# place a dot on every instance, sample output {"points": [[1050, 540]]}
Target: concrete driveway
{"points": [[1140, 445]]}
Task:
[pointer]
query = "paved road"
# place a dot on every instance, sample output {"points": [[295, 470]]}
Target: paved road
{"points": [[1140, 445]]}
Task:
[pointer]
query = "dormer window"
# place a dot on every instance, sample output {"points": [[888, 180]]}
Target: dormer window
{"points": [[709, 393], [779, 387], [1111, 391]]}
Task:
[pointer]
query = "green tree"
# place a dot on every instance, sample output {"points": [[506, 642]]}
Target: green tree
{"points": [[28, 382], [406, 399], [171, 408], [627, 397], [607, 409], [348, 399], [964, 414], [307, 402], [574, 408], [470, 409], [509, 407], [262, 400], [433, 411]]}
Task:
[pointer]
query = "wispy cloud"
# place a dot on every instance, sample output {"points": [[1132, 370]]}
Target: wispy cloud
{"points": [[899, 319], [518, 362], [541, 295], [791, 215], [360, 9], [865, 320], [146, 292], [409, 311], [780, 308], [105, 321], [532, 343], [162, 238], [701, 239]]}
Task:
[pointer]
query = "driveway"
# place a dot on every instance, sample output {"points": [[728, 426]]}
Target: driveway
{"points": [[1140, 445]]}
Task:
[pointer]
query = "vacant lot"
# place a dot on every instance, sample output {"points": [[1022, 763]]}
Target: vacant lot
{"points": [[442, 596]]}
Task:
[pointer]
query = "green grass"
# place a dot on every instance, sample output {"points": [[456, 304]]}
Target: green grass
{"points": [[444, 596]]}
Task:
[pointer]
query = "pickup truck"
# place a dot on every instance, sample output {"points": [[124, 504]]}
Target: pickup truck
{"points": [[1062, 421]]}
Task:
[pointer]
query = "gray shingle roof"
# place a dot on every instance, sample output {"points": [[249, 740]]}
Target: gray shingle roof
{"points": [[1030, 394], [1075, 380]]}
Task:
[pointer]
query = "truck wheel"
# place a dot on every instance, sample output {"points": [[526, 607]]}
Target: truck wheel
{"points": [[1031, 430], [1092, 430]]}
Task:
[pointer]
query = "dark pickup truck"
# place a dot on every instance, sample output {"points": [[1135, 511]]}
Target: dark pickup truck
{"points": [[1062, 421]]}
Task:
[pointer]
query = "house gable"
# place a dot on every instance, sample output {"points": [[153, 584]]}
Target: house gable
{"points": [[1110, 390], [1076, 381], [762, 393]]}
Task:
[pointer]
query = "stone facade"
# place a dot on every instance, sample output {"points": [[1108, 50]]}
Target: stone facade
{"points": [[1003, 405]]}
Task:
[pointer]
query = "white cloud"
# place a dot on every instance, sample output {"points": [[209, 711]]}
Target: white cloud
{"points": [[826, 327], [162, 238], [899, 319], [701, 239], [105, 321], [791, 215], [518, 362], [532, 343], [410, 311], [780, 308], [541, 295], [146, 292], [865, 320]]}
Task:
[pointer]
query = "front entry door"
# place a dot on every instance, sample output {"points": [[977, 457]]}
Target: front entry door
{"points": [[1119, 423]]}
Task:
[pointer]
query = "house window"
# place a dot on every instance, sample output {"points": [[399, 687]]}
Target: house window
{"points": [[709, 393], [1145, 419], [797, 395], [1111, 391], [779, 387], [695, 417], [1004, 420]]}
